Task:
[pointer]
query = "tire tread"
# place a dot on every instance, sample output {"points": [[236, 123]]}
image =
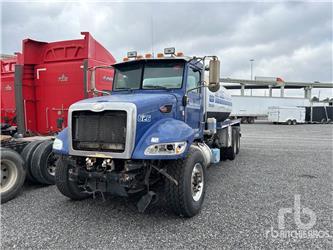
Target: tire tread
{"points": [[63, 184], [176, 195], [12, 155]]}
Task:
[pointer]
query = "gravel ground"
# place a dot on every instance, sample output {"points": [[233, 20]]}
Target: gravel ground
{"points": [[241, 207]]}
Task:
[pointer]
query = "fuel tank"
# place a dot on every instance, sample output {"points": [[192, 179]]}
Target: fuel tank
{"points": [[218, 104]]}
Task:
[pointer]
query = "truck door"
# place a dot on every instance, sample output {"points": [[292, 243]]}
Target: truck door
{"points": [[193, 108]]}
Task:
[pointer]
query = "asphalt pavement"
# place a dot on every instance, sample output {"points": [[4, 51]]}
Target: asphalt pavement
{"points": [[279, 167]]}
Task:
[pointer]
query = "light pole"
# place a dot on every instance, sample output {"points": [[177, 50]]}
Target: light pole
{"points": [[251, 61]]}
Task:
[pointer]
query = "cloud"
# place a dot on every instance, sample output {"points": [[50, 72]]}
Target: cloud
{"points": [[288, 39]]}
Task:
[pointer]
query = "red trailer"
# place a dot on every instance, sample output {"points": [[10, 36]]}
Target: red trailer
{"points": [[54, 75], [47, 79], [7, 64]]}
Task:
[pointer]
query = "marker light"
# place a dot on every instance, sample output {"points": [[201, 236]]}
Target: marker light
{"points": [[160, 55], [132, 54], [125, 59], [148, 55], [139, 57], [169, 51], [179, 54]]}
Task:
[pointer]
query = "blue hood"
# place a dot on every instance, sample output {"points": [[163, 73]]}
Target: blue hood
{"points": [[139, 99]]}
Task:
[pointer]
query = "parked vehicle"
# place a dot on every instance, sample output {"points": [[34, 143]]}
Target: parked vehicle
{"points": [[250, 108], [319, 113], [8, 115], [41, 84], [286, 115], [164, 124]]}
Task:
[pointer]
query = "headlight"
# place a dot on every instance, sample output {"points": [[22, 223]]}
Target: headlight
{"points": [[173, 148], [57, 144]]}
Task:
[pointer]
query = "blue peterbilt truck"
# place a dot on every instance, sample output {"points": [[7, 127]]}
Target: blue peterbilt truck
{"points": [[164, 122]]}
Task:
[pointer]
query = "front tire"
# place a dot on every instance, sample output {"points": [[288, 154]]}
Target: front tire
{"points": [[67, 187], [12, 174], [187, 197]]}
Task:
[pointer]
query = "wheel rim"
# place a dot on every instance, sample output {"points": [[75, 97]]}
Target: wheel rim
{"points": [[8, 175], [51, 164], [197, 182]]}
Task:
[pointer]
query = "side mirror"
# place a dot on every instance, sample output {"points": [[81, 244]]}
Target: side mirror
{"points": [[214, 75]]}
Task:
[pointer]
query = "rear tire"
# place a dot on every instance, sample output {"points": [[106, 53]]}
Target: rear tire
{"points": [[229, 153], [12, 174], [187, 197], [43, 163], [224, 153], [294, 122], [232, 151], [26, 154], [68, 188]]}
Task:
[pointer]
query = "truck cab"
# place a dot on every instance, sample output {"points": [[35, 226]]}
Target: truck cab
{"points": [[163, 123]]}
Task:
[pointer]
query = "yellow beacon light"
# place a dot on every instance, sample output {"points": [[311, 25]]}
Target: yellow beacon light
{"points": [[148, 55], [160, 55]]}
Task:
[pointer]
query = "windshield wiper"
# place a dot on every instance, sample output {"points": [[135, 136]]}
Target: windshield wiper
{"points": [[154, 87]]}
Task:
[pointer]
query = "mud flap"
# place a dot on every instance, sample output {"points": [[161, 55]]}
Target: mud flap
{"points": [[146, 200]]}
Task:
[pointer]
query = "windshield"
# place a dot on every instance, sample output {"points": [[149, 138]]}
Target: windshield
{"points": [[161, 74]]}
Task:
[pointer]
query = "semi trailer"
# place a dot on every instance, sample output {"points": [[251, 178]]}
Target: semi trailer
{"points": [[165, 122], [40, 84], [250, 108]]}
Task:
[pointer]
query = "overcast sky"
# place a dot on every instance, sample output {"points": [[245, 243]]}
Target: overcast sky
{"points": [[292, 40]]}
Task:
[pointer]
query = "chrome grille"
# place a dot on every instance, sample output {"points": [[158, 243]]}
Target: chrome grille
{"points": [[99, 131]]}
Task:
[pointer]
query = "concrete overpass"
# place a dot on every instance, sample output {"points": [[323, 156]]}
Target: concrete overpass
{"points": [[230, 83]]}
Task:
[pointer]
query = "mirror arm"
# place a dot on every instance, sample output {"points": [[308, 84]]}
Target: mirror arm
{"points": [[198, 87]]}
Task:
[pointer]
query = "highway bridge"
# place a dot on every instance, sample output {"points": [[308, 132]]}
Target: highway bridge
{"points": [[270, 84]]}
